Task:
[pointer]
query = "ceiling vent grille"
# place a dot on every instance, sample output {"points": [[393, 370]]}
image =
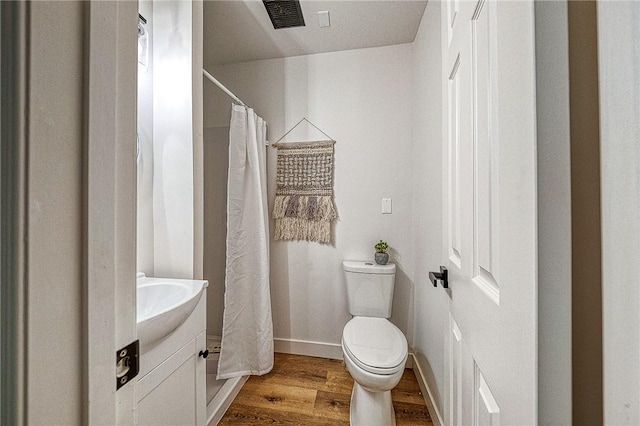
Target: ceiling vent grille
{"points": [[284, 13]]}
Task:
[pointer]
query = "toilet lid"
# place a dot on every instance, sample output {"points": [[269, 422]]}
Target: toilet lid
{"points": [[375, 344]]}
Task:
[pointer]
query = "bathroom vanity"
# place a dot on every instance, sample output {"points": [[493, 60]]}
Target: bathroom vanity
{"points": [[171, 388]]}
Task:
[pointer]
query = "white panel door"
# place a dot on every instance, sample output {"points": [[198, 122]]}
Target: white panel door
{"points": [[489, 204]]}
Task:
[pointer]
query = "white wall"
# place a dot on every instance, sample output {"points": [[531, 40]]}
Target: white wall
{"points": [[362, 99], [430, 305], [197, 29], [144, 209], [217, 115], [554, 214], [173, 174], [55, 214], [216, 166], [169, 184]]}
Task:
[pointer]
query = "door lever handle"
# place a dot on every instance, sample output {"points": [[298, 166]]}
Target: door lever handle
{"points": [[442, 277]]}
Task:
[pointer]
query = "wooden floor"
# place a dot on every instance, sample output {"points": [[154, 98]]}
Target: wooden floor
{"points": [[302, 390]]}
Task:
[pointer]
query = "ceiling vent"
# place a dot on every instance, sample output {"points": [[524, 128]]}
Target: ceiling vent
{"points": [[284, 13]]}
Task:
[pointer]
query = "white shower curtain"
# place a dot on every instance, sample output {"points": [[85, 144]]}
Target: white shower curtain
{"points": [[247, 330]]}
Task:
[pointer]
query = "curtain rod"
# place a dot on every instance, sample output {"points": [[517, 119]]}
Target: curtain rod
{"points": [[221, 86]]}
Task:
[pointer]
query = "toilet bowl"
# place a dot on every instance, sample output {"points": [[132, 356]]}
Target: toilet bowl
{"points": [[375, 352]]}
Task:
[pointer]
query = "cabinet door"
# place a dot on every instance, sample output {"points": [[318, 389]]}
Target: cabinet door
{"points": [[201, 379], [173, 393]]}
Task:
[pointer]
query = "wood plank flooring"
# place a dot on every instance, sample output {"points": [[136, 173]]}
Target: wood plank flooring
{"points": [[302, 390]]}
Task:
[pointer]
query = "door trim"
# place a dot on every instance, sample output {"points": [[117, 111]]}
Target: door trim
{"points": [[109, 199], [14, 137]]}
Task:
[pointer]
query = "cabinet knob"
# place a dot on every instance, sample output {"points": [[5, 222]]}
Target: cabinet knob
{"points": [[204, 354]]}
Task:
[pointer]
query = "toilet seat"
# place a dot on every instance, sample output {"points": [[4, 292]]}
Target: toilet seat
{"points": [[375, 345]]}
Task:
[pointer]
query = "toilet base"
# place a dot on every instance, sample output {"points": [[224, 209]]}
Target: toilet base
{"points": [[371, 408]]}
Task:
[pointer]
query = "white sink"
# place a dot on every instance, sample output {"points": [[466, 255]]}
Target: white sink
{"points": [[163, 304]]}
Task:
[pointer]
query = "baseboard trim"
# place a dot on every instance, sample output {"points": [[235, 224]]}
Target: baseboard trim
{"points": [[308, 348], [436, 417], [409, 363]]}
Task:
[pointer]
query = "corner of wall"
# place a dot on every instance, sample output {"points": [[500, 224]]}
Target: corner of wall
{"points": [[198, 135], [420, 368], [430, 316], [173, 133]]}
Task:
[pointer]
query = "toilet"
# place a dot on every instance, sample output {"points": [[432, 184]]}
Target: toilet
{"points": [[374, 350]]}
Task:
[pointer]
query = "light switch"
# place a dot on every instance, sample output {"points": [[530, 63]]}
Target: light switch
{"points": [[323, 19], [386, 206]]}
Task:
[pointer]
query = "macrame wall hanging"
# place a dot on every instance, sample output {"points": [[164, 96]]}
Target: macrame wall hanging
{"points": [[303, 208]]}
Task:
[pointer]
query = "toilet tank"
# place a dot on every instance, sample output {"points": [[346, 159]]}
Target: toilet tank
{"points": [[369, 288]]}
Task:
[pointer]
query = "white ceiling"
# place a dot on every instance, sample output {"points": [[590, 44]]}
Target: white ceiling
{"points": [[240, 30]]}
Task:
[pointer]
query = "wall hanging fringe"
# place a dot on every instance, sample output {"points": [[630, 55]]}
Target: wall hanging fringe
{"points": [[304, 207]]}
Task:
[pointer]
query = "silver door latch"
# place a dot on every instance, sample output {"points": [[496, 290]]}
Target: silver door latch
{"points": [[127, 363]]}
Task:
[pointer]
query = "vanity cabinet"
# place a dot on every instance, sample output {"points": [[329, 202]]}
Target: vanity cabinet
{"points": [[171, 389]]}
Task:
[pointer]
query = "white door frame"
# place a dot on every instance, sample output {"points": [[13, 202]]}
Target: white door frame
{"points": [[13, 37], [107, 169], [110, 196]]}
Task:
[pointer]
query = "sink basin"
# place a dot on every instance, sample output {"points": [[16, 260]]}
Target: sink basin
{"points": [[163, 304]]}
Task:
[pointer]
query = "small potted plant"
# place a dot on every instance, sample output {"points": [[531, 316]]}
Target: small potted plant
{"points": [[381, 256]]}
